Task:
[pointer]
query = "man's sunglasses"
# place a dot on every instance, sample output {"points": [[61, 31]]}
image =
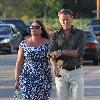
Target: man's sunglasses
{"points": [[35, 27]]}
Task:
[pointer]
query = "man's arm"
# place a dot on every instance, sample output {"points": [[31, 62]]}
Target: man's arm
{"points": [[81, 44], [53, 46], [74, 53], [80, 48]]}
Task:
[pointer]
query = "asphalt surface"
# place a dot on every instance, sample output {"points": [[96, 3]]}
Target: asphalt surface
{"points": [[91, 83]]}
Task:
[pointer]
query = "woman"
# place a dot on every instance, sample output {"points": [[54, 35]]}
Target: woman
{"points": [[32, 73]]}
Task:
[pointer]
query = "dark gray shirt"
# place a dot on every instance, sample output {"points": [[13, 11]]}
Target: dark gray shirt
{"points": [[76, 41]]}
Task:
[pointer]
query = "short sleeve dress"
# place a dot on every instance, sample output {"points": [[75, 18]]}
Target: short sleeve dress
{"points": [[35, 78]]}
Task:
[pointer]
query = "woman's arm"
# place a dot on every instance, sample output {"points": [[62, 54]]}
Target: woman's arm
{"points": [[55, 66], [19, 63]]}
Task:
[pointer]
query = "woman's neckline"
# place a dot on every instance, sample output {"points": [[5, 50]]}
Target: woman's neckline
{"points": [[46, 41]]}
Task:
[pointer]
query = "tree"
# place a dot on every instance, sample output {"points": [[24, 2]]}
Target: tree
{"points": [[81, 8]]}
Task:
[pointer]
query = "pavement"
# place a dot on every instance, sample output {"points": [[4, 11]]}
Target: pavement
{"points": [[92, 89]]}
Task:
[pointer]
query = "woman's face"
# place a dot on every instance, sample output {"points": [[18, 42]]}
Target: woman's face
{"points": [[35, 29]]}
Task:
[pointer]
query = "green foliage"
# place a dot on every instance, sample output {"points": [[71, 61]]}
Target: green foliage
{"points": [[53, 8], [45, 8], [81, 8], [53, 24], [30, 8], [81, 23], [47, 11]]}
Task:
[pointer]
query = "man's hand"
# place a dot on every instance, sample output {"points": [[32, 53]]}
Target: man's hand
{"points": [[56, 54]]}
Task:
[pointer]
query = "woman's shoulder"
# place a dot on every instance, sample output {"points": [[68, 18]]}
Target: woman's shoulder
{"points": [[45, 40], [22, 43], [27, 40]]}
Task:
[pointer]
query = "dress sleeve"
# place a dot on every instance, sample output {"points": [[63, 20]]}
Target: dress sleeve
{"points": [[21, 44]]}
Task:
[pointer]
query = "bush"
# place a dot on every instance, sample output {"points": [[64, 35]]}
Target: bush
{"points": [[53, 24]]}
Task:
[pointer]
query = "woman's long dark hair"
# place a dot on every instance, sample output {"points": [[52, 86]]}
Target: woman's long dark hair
{"points": [[44, 32]]}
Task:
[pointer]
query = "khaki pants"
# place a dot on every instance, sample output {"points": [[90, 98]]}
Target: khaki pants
{"points": [[70, 85]]}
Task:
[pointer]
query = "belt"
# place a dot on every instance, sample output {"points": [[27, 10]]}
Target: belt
{"points": [[70, 68]]}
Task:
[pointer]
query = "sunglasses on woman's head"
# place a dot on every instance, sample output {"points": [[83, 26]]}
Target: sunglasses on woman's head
{"points": [[35, 27]]}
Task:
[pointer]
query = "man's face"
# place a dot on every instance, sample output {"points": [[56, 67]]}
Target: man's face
{"points": [[65, 20]]}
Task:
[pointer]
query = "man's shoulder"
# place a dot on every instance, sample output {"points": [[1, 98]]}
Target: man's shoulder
{"points": [[80, 33], [56, 33], [78, 30]]}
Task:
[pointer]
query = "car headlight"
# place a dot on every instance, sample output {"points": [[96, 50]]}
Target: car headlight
{"points": [[5, 41]]}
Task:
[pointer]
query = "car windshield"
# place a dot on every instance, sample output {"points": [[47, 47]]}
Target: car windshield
{"points": [[89, 34], [95, 22], [17, 23], [4, 30]]}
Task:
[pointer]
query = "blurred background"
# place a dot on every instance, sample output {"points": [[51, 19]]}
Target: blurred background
{"points": [[47, 10]]}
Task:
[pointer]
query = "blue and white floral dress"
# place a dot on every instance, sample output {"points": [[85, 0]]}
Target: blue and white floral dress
{"points": [[35, 79]]}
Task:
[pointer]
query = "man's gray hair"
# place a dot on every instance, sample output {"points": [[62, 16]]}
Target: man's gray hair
{"points": [[65, 11]]}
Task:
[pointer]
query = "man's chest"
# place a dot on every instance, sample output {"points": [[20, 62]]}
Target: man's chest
{"points": [[70, 42]]}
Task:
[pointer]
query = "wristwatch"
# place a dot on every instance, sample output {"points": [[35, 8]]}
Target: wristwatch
{"points": [[63, 52]]}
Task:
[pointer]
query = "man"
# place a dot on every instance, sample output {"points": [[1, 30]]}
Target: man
{"points": [[66, 49]]}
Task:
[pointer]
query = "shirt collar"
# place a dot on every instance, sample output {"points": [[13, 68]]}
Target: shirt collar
{"points": [[72, 30]]}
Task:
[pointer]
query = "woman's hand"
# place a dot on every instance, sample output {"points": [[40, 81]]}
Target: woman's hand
{"points": [[56, 71], [17, 85]]}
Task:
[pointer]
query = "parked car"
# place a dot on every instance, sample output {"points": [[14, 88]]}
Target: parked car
{"points": [[28, 27], [10, 38], [92, 51], [22, 27], [94, 26]]}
